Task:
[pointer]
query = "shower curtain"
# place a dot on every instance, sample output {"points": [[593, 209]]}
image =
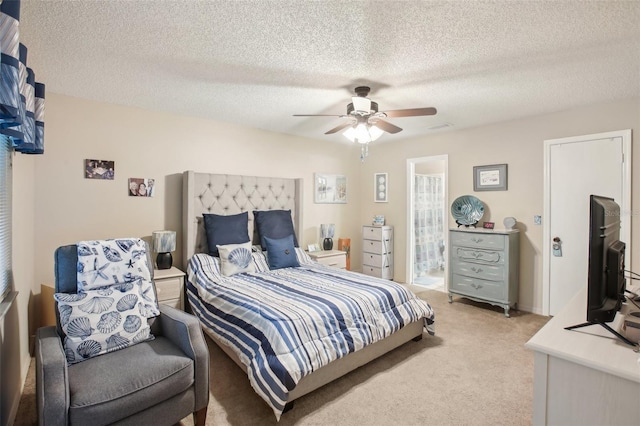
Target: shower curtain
{"points": [[429, 224]]}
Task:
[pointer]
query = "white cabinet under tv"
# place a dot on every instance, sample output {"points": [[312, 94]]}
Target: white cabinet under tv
{"points": [[584, 376]]}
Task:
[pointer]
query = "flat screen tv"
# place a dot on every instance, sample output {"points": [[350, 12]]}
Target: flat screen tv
{"points": [[606, 282]]}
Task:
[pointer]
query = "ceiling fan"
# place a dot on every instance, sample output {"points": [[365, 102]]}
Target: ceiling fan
{"points": [[363, 115]]}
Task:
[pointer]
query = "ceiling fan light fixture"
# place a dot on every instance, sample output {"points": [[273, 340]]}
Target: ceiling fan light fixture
{"points": [[363, 133]]}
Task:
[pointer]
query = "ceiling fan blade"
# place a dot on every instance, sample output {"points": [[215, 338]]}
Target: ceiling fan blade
{"points": [[387, 127], [318, 115], [411, 112], [338, 128]]}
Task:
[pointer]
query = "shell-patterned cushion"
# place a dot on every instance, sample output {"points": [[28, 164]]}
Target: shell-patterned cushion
{"points": [[236, 258], [116, 262], [103, 320]]}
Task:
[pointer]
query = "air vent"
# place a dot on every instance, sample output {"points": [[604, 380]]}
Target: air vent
{"points": [[440, 126]]}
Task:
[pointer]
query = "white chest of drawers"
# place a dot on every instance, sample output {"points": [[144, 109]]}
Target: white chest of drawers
{"points": [[483, 266], [377, 251]]}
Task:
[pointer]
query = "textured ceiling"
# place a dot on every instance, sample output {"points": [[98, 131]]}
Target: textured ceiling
{"points": [[256, 63]]}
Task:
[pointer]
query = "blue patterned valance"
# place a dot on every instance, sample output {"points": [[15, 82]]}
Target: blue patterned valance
{"points": [[21, 97]]}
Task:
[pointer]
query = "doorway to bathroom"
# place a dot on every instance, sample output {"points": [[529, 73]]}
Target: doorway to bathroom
{"points": [[427, 221]]}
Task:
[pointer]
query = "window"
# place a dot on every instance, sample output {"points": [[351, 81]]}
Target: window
{"points": [[5, 216]]}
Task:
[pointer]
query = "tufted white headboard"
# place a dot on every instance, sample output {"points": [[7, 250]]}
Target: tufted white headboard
{"points": [[233, 194]]}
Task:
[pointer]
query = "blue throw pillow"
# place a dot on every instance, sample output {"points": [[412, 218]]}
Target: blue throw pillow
{"points": [[274, 224], [224, 230], [281, 253]]}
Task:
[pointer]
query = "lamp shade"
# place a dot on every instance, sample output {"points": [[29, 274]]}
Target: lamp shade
{"points": [[163, 241], [327, 230]]}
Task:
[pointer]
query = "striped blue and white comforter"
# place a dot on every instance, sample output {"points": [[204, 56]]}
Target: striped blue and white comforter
{"points": [[285, 324]]}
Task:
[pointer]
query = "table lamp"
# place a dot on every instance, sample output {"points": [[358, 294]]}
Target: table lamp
{"points": [[164, 242], [327, 230]]}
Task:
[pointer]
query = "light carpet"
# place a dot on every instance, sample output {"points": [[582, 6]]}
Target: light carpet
{"points": [[474, 371]]}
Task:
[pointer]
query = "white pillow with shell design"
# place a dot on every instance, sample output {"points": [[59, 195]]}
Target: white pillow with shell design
{"points": [[236, 258]]}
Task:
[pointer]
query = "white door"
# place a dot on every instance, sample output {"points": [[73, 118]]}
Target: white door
{"points": [[575, 168]]}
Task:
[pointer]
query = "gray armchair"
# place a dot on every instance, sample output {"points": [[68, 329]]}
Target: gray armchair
{"points": [[159, 382]]}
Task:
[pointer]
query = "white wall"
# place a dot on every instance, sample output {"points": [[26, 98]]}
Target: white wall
{"points": [[147, 144]]}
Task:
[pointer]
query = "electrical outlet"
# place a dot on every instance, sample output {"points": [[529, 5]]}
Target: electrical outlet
{"points": [[537, 220]]}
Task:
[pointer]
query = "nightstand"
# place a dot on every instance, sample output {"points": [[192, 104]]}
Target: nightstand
{"points": [[335, 258], [170, 286]]}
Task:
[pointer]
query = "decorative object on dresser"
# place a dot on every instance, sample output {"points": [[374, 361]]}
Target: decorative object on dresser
{"points": [[378, 220], [483, 266], [170, 287], [509, 222], [377, 248], [330, 188], [164, 242], [344, 244], [490, 178], [467, 210], [335, 258], [327, 230], [380, 187]]}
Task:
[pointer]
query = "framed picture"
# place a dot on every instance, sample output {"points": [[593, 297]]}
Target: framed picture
{"points": [[139, 187], [380, 187], [330, 188], [313, 248], [490, 178], [99, 169]]}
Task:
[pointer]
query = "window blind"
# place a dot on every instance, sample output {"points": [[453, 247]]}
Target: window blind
{"points": [[5, 216]]}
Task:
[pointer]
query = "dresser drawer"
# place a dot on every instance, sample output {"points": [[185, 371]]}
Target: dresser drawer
{"points": [[168, 288], [481, 271], [477, 239], [478, 255], [377, 247], [338, 261], [377, 260], [174, 303], [474, 287], [385, 273]]}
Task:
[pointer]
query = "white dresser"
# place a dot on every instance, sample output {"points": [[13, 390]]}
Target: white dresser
{"points": [[377, 251], [483, 265]]}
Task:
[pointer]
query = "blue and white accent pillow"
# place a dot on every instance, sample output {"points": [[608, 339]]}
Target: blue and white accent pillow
{"points": [[236, 258], [119, 263], [100, 321]]}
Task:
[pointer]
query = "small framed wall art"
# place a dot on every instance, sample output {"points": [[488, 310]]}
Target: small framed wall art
{"points": [[139, 187], [490, 178], [330, 188], [99, 169], [380, 187]]}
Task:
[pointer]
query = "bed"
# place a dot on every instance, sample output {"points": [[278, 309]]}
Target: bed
{"points": [[292, 329]]}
